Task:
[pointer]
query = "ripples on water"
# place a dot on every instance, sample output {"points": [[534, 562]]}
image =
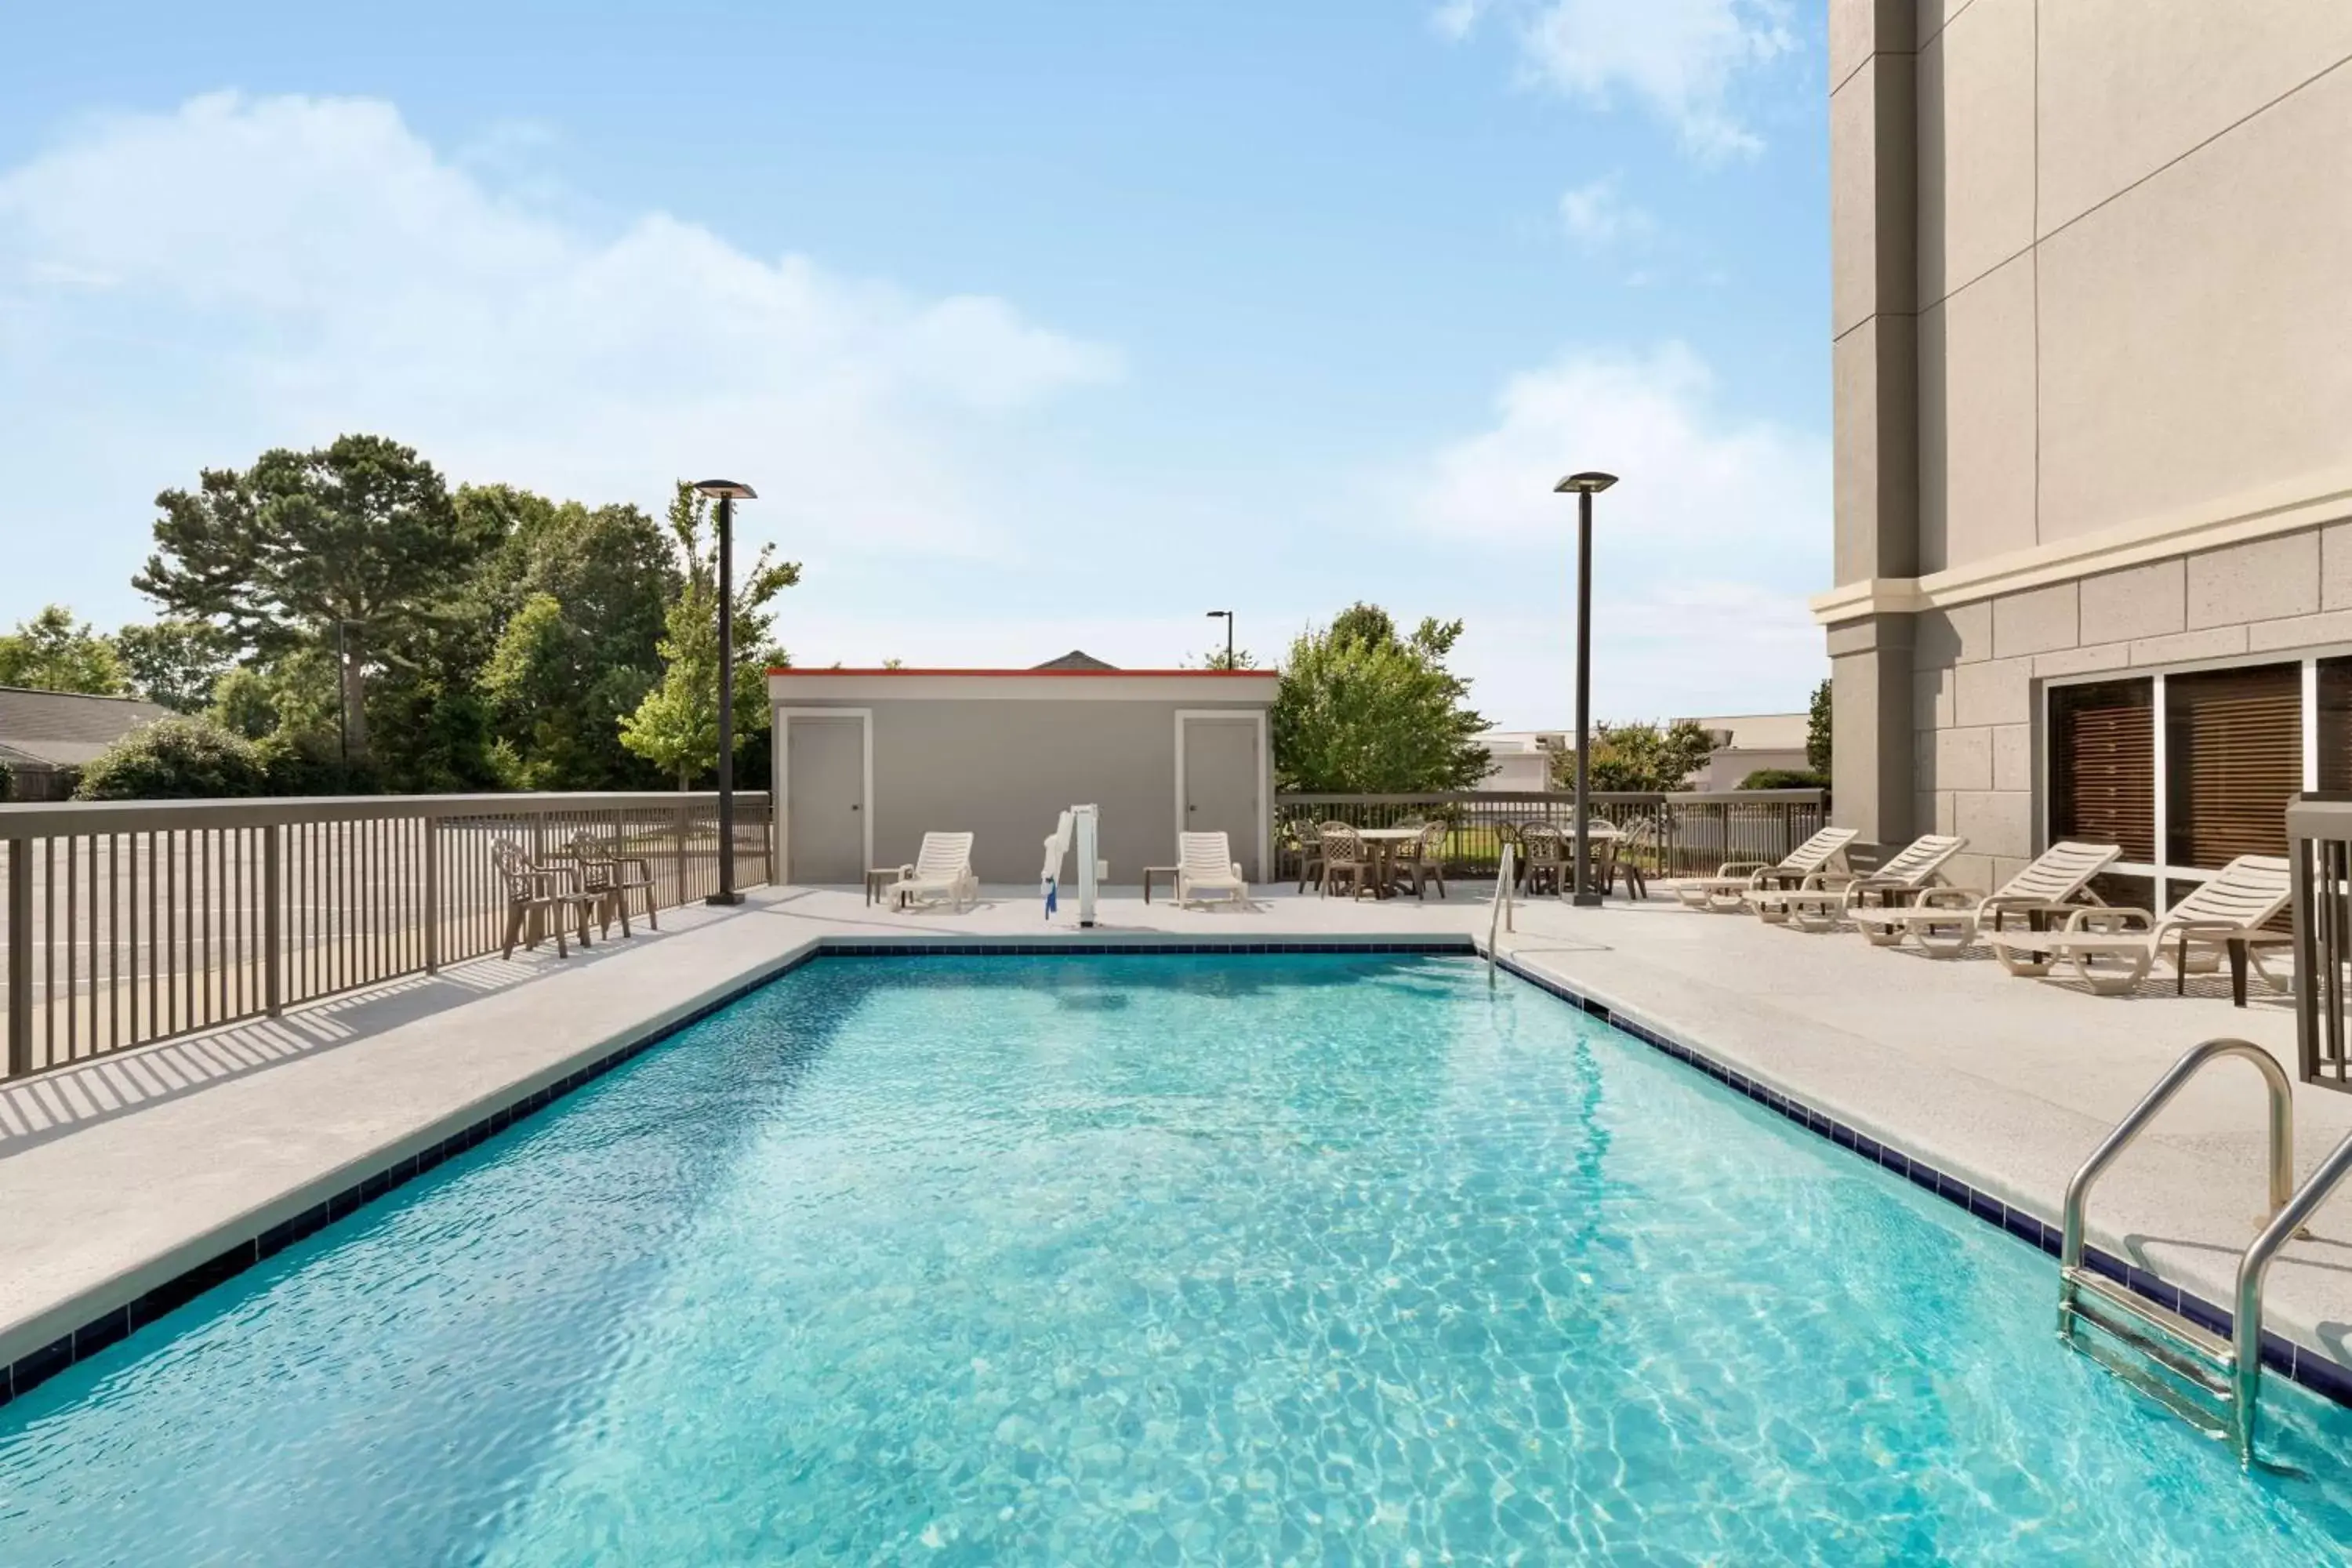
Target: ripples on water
{"points": [[1134, 1260]]}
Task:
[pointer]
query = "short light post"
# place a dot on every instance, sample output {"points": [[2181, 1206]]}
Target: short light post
{"points": [[1584, 487], [1228, 617], [727, 492]]}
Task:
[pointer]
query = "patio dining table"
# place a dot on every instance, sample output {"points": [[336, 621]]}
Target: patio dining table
{"points": [[1601, 832], [1382, 843]]}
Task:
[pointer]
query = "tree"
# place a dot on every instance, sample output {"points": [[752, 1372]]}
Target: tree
{"points": [[175, 663], [51, 652], [1215, 658], [1817, 732], [676, 727], [174, 759], [1362, 710], [578, 597], [358, 535], [1646, 757]]}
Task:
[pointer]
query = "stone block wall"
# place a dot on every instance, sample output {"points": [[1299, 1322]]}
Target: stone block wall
{"points": [[1978, 668]]}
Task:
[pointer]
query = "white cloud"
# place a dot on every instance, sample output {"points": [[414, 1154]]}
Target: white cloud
{"points": [[1704, 552], [327, 270], [1681, 57], [1597, 216]]}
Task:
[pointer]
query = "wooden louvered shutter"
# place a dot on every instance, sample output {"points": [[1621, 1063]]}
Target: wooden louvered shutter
{"points": [[2103, 765], [2336, 723], [2233, 758]]}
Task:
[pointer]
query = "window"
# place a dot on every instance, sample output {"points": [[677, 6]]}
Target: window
{"points": [[2233, 758], [2103, 766]]}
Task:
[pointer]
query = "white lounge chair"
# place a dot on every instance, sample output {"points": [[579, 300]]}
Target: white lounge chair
{"points": [[1726, 891], [1946, 921], [1919, 865], [2235, 904], [1207, 869], [941, 872]]}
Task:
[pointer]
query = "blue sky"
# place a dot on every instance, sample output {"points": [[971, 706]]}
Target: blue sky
{"points": [[1034, 325]]}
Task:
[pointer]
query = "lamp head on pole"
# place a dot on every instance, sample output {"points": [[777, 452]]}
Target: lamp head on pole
{"points": [[1590, 483], [727, 490]]}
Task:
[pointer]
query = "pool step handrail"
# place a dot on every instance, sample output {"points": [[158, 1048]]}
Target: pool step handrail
{"points": [[2230, 1370], [1500, 917]]}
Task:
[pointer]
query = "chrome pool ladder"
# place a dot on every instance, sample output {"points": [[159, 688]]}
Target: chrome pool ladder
{"points": [[2226, 1371], [1499, 918]]}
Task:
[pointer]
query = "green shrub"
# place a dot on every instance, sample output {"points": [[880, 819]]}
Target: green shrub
{"points": [[306, 762], [174, 759], [1784, 778]]}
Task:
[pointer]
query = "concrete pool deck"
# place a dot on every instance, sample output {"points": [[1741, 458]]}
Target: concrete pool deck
{"points": [[126, 1173]]}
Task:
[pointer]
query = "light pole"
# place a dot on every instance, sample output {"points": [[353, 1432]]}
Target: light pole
{"points": [[1228, 615], [1584, 487], [727, 493]]}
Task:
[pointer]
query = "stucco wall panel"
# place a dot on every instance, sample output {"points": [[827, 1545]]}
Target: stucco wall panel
{"points": [[2127, 86], [2196, 333], [1976, 145]]}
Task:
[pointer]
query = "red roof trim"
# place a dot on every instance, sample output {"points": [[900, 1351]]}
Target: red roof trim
{"points": [[1037, 674]]}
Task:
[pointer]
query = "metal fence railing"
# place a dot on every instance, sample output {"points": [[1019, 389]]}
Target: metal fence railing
{"points": [[129, 922], [2319, 841], [1694, 833]]}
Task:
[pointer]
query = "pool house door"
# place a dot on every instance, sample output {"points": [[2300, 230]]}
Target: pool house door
{"points": [[1221, 781], [827, 778]]}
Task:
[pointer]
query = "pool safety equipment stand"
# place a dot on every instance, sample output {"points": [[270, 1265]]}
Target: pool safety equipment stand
{"points": [[1080, 829]]}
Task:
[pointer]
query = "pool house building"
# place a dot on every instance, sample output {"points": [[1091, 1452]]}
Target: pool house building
{"points": [[869, 761]]}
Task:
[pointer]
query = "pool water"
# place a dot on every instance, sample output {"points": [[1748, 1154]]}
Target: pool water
{"points": [[1133, 1260]]}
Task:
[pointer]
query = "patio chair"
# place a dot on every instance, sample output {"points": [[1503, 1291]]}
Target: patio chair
{"points": [[1726, 892], [539, 893], [1632, 845], [1917, 866], [1345, 858], [1545, 856], [1423, 861], [613, 875], [1946, 921], [2219, 917], [941, 872], [1206, 867], [1305, 840]]}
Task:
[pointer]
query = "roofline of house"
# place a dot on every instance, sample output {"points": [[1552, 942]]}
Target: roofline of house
{"points": [[85, 696], [1041, 674]]}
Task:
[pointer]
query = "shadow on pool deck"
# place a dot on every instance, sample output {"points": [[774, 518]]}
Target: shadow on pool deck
{"points": [[62, 1101]]}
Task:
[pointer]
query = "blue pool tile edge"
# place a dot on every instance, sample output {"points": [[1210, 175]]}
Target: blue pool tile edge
{"points": [[107, 1328], [2283, 1356]]}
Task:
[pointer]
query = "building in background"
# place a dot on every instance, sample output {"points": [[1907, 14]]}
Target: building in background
{"points": [[1744, 743], [47, 737], [2093, 384], [1749, 742], [1522, 758]]}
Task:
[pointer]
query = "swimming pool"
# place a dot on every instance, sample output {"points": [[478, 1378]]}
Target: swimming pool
{"points": [[1109, 1259]]}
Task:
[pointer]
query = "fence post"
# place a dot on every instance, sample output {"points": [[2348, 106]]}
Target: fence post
{"points": [[272, 920], [20, 957], [432, 895], [683, 896]]}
